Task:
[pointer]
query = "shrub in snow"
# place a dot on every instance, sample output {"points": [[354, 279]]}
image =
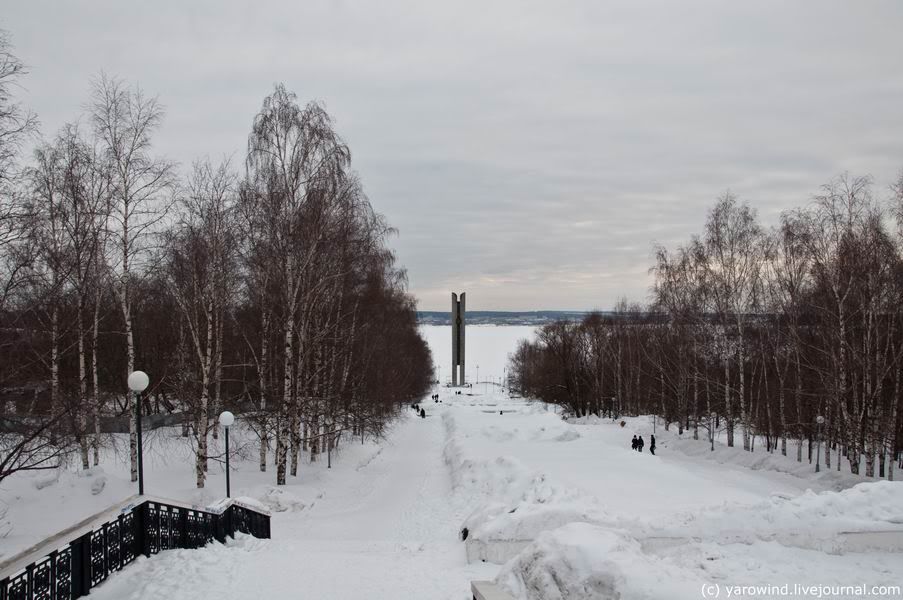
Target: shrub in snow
{"points": [[279, 500], [46, 479], [98, 484], [567, 436]]}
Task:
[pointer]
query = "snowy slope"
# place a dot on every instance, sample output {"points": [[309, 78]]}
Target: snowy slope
{"points": [[572, 512], [379, 526]]}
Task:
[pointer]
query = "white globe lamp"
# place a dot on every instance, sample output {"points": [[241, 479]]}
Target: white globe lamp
{"points": [[138, 381]]}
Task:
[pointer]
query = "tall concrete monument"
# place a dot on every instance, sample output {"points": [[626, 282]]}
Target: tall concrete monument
{"points": [[457, 318]]}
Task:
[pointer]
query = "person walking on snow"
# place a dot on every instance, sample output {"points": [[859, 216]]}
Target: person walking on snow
{"points": [[652, 445], [639, 443], [633, 443]]}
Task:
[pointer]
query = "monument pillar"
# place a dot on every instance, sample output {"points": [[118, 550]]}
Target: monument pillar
{"points": [[457, 319]]}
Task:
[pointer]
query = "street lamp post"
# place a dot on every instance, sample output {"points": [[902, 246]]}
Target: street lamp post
{"points": [[819, 420], [226, 419], [712, 430], [138, 382]]}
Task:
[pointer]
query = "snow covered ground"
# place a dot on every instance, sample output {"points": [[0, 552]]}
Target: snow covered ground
{"points": [[576, 514], [555, 509]]}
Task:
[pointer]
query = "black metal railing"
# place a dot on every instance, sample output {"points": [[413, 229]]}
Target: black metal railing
{"points": [[76, 566]]}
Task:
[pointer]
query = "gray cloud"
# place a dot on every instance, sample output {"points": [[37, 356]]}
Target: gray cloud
{"points": [[529, 153]]}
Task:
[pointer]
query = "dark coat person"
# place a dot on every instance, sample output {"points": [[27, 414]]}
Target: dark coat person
{"points": [[422, 413], [633, 443], [652, 444], [639, 443]]}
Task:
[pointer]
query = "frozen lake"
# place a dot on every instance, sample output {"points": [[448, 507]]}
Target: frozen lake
{"points": [[486, 347]]}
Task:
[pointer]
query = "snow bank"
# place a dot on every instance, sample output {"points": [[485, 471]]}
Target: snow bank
{"points": [[544, 427], [832, 522], [222, 504], [497, 533], [587, 562], [810, 520], [254, 503], [490, 479], [580, 561], [517, 505], [760, 460], [281, 500]]}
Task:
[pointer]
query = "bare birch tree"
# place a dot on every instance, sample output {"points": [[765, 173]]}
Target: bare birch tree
{"points": [[125, 120], [200, 264]]}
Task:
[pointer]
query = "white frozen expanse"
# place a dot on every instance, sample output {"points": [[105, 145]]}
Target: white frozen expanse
{"points": [[486, 347], [557, 510]]}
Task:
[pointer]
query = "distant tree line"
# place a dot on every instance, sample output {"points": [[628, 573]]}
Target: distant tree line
{"points": [[267, 289], [755, 330]]}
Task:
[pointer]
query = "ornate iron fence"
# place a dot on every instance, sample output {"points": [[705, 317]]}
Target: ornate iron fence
{"points": [[71, 570]]}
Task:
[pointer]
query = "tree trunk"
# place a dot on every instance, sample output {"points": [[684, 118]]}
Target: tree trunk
{"points": [[782, 417], [202, 424], [295, 445], [132, 399], [286, 404], [218, 371], [729, 421], [82, 391], [798, 398], [695, 393], [264, 371], [744, 418], [95, 387], [54, 365]]}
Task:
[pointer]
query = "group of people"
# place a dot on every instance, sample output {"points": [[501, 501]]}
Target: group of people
{"points": [[435, 398], [419, 410], [638, 443]]}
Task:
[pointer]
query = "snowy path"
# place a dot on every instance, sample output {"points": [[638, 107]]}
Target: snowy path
{"points": [[400, 496], [387, 531]]}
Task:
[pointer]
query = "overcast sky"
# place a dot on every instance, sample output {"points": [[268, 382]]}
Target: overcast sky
{"points": [[529, 153]]}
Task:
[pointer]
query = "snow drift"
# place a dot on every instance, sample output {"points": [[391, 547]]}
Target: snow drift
{"points": [[587, 562]]}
